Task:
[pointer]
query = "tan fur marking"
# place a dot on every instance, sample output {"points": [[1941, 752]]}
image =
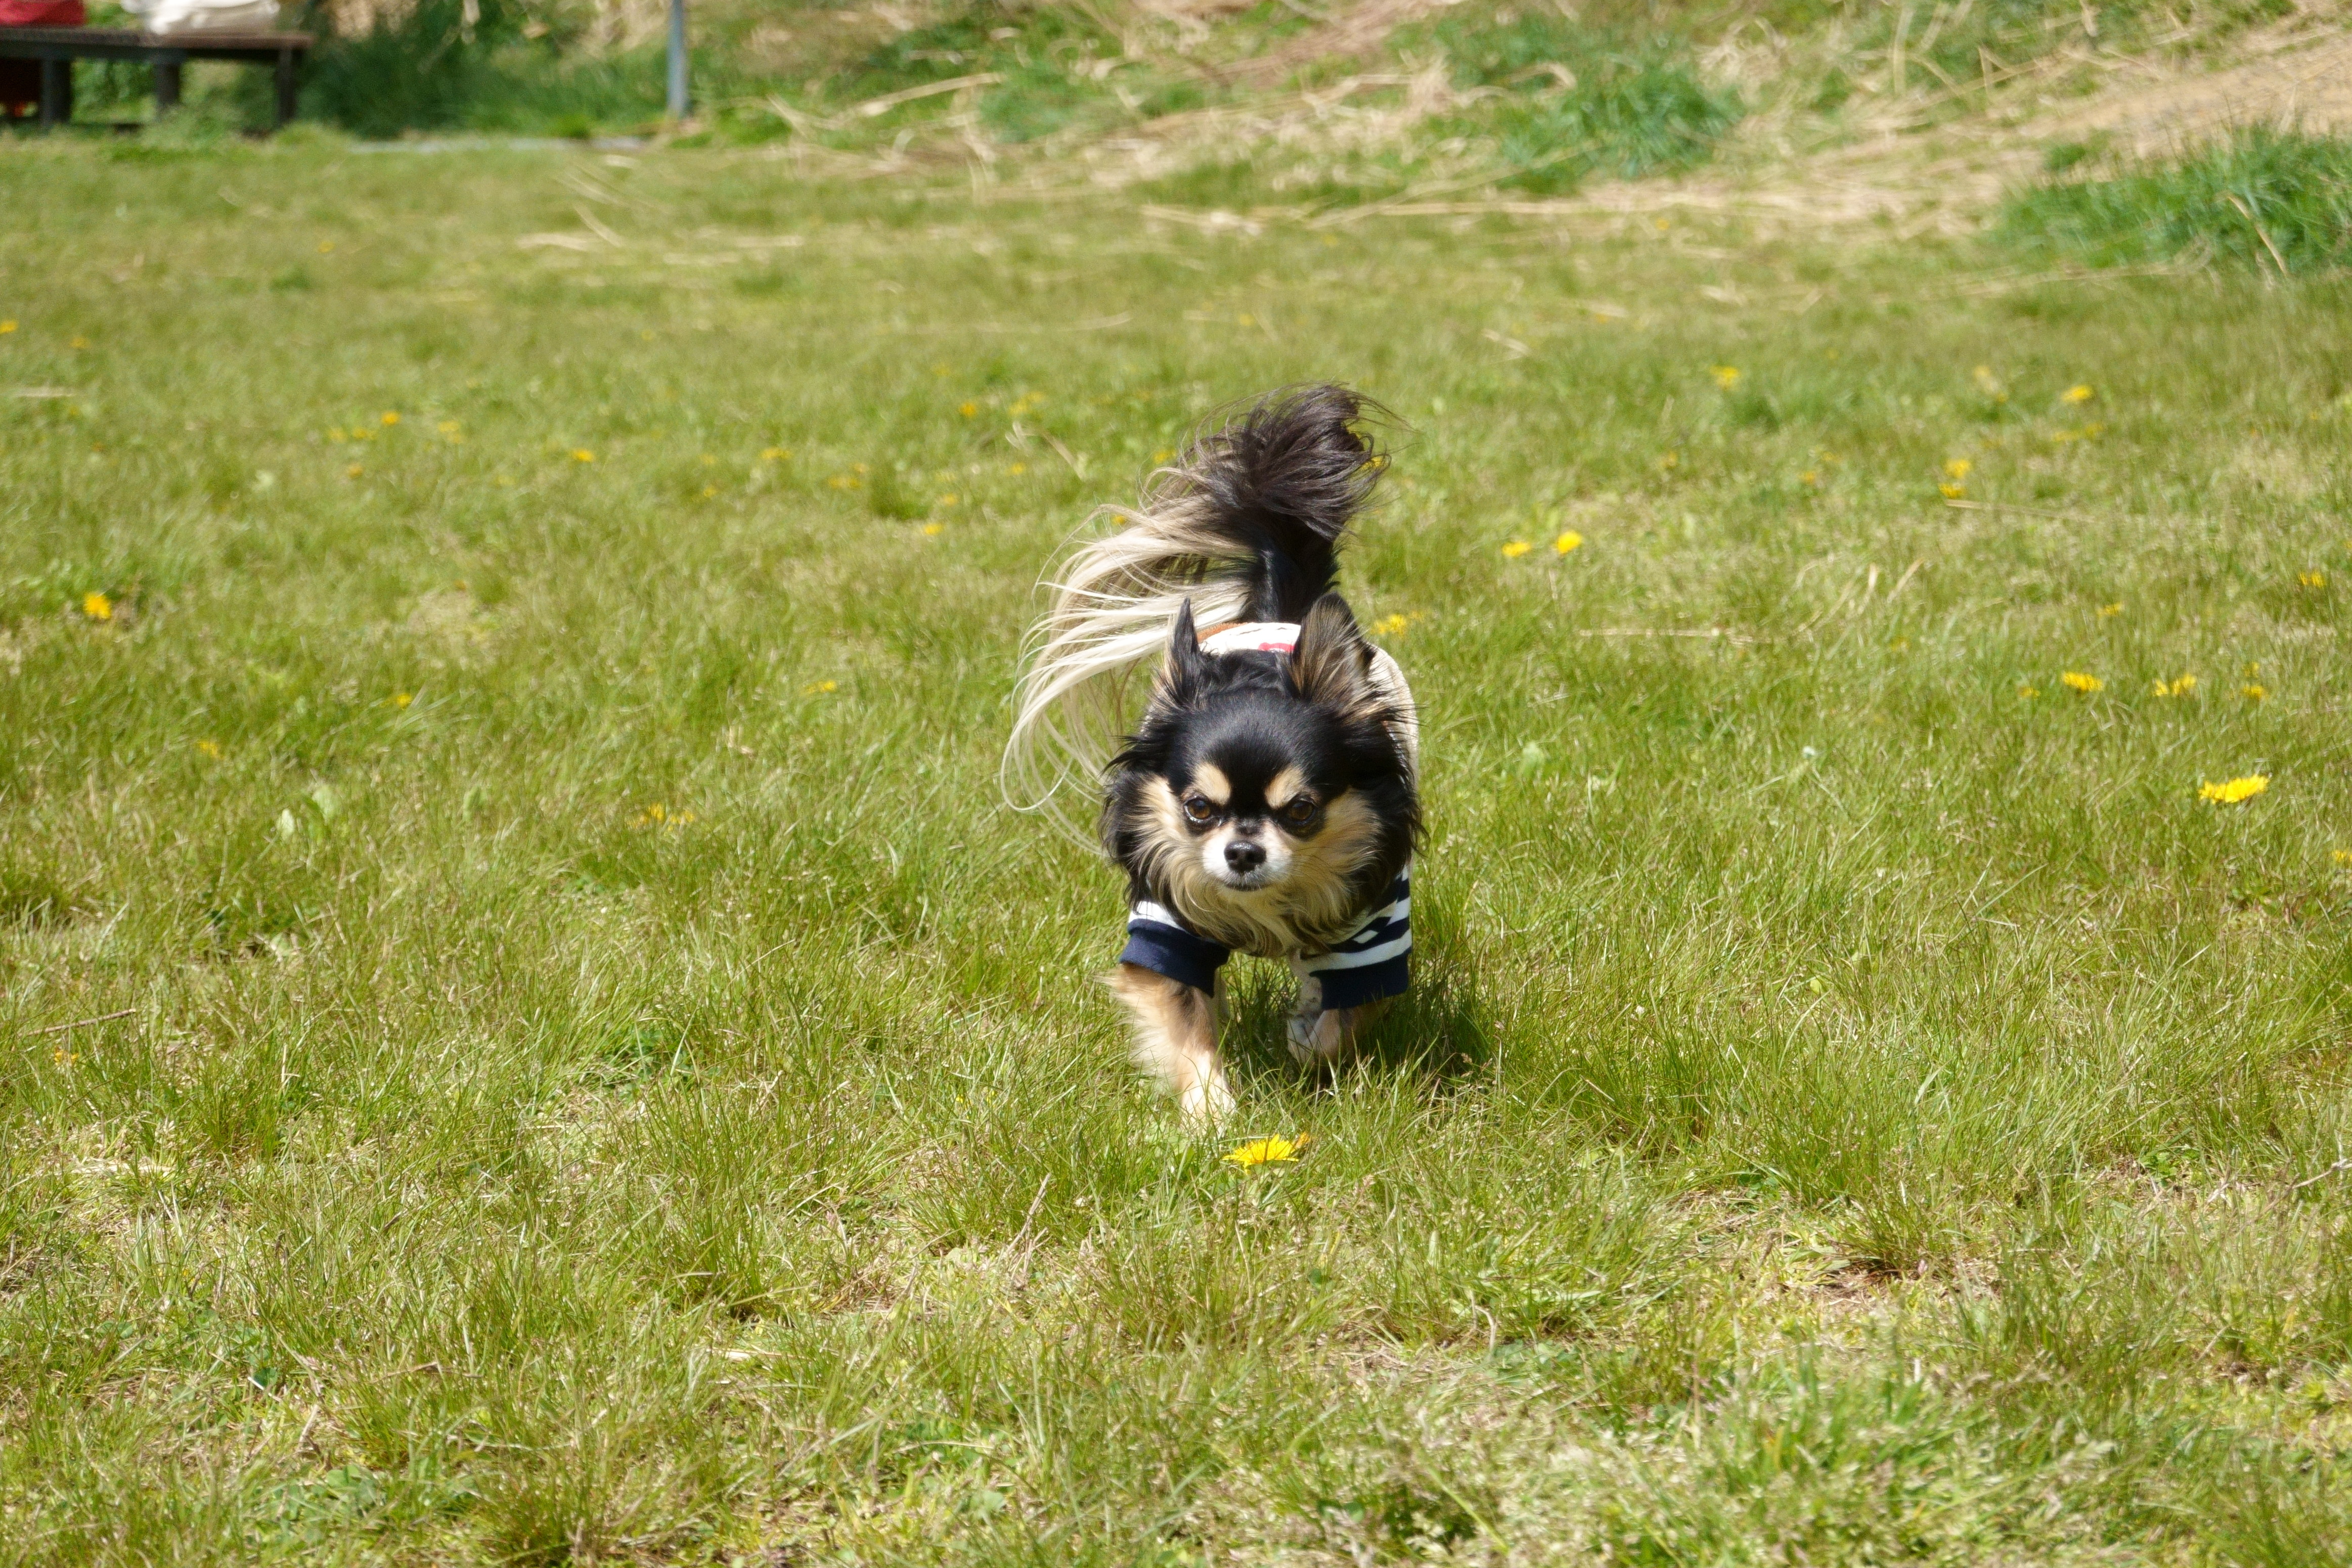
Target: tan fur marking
{"points": [[1210, 779], [1175, 1036], [1286, 783]]}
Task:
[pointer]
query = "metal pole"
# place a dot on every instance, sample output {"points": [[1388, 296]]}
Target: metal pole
{"points": [[678, 102]]}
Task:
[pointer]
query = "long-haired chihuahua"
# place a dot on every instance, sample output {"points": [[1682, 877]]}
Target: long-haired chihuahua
{"points": [[1264, 802]]}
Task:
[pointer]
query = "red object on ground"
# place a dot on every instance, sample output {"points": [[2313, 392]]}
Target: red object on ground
{"points": [[20, 80]]}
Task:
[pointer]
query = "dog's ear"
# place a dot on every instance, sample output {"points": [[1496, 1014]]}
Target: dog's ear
{"points": [[1187, 665], [1332, 663]]}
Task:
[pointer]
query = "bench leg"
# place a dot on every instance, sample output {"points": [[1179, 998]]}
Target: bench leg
{"points": [[57, 93], [285, 87], [167, 87]]}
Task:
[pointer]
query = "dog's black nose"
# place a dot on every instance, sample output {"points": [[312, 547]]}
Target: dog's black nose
{"points": [[1244, 856]]}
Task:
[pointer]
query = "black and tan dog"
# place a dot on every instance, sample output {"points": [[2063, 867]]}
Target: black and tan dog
{"points": [[1264, 803]]}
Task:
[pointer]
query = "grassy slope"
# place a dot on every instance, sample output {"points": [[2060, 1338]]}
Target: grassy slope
{"points": [[1853, 1110]]}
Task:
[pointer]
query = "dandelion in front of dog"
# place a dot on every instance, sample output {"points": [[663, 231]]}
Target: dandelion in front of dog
{"points": [[1570, 540], [2076, 680], [1517, 548], [98, 606], [2237, 791], [1269, 1151]]}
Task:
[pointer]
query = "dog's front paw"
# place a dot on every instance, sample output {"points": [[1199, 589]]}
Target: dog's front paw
{"points": [[1317, 1040], [1207, 1103]]}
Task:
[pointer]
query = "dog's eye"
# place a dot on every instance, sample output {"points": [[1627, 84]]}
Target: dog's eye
{"points": [[1299, 813], [1198, 811]]}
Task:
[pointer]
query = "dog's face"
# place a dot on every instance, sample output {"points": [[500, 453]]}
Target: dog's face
{"points": [[1265, 796]]}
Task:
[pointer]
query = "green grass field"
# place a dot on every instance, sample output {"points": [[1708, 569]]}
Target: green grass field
{"points": [[529, 1037]]}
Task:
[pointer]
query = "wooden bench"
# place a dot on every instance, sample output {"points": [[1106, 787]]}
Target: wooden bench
{"points": [[57, 48]]}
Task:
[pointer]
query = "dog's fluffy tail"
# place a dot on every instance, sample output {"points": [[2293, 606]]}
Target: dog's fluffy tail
{"points": [[1247, 525]]}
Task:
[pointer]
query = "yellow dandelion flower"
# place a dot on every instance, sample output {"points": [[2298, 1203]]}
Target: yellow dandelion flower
{"points": [[1016, 467], [402, 699], [816, 687], [1269, 1151], [708, 491], [949, 499], [447, 427], [2028, 689], [64, 1058], [1389, 626], [2079, 392], [98, 606], [1958, 467], [77, 341], [326, 247], [1517, 548], [1671, 460], [388, 417], [2254, 667], [2076, 680], [2180, 686], [774, 454], [2341, 857], [7, 328], [1809, 476], [967, 408], [933, 530], [1570, 540], [843, 481], [353, 472], [582, 454], [2236, 792], [1953, 492], [2312, 579], [2254, 692], [1726, 376], [211, 749], [1163, 455], [2112, 610]]}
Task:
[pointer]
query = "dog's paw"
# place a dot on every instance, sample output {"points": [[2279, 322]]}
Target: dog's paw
{"points": [[1317, 1040], [1208, 1103]]}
